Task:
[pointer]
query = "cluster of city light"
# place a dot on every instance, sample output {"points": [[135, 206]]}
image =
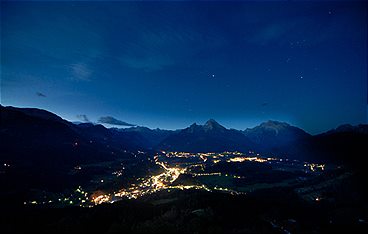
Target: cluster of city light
{"points": [[207, 174], [168, 175], [203, 157], [79, 197], [148, 185], [228, 190], [217, 174], [103, 198], [118, 173], [208, 154], [223, 154], [243, 159], [178, 154], [165, 179], [184, 187], [314, 167], [217, 157], [4, 169]]}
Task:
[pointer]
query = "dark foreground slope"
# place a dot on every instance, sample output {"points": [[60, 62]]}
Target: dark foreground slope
{"points": [[38, 150], [268, 211]]}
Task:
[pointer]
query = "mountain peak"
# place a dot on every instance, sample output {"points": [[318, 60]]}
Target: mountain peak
{"points": [[211, 121], [193, 125], [212, 124]]}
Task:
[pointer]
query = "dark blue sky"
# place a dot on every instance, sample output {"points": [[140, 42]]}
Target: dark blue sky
{"points": [[169, 64]]}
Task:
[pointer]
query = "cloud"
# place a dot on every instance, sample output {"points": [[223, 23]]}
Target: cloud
{"points": [[83, 118], [39, 94], [113, 121], [80, 71]]}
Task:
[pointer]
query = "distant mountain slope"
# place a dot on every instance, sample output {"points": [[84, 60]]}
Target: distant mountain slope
{"points": [[211, 137], [345, 128], [273, 136], [110, 137], [35, 112], [148, 138], [45, 139], [345, 144], [274, 132]]}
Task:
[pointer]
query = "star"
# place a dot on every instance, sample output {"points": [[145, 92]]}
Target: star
{"points": [[213, 76]]}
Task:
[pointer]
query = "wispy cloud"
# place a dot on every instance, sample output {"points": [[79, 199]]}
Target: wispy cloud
{"points": [[39, 94], [113, 121], [80, 72], [83, 118]]}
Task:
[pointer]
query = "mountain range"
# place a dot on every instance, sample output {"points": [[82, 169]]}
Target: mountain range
{"points": [[31, 135], [210, 137]]}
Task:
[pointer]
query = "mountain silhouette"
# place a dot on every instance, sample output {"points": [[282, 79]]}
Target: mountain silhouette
{"points": [[210, 137], [274, 136], [39, 137]]}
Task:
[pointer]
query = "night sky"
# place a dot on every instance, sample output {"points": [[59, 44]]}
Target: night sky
{"points": [[169, 64]]}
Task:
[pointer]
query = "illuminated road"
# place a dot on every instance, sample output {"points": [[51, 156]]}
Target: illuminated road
{"points": [[147, 186]]}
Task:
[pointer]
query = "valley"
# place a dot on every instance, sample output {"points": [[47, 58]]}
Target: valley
{"points": [[235, 173]]}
